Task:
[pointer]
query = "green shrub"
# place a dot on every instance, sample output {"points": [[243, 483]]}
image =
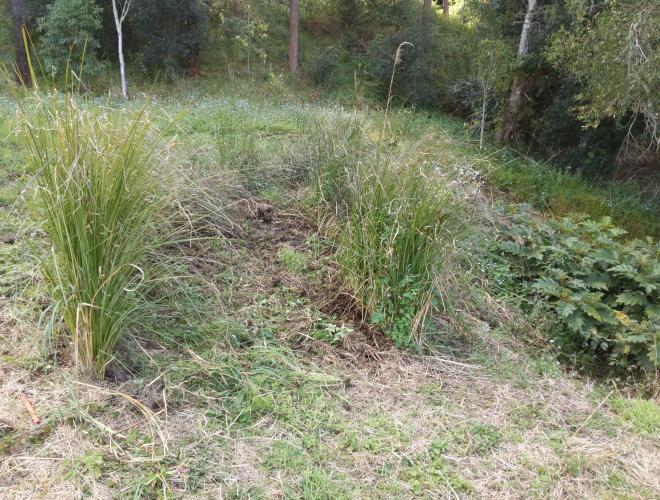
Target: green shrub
{"points": [[322, 69], [603, 290], [95, 192], [427, 69], [69, 34], [392, 245]]}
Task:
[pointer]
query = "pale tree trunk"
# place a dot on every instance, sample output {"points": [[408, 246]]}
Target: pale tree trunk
{"points": [[23, 75], [119, 22], [510, 115], [293, 37], [426, 18], [482, 126], [445, 7]]}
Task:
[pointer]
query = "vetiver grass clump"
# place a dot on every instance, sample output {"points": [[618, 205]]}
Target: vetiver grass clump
{"points": [[95, 192], [393, 244]]}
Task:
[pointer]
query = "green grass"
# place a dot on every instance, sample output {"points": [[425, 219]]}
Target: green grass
{"points": [[95, 193], [560, 194], [263, 385], [393, 244], [643, 415]]}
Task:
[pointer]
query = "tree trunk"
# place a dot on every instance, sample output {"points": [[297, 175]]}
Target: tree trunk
{"points": [[293, 37], [482, 125], [445, 7], [426, 18], [193, 63], [22, 69], [119, 21], [510, 115]]}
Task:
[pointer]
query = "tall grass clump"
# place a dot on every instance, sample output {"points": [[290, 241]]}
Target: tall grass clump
{"points": [[95, 191], [393, 244]]}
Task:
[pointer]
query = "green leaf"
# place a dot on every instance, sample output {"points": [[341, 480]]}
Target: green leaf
{"points": [[547, 286], [631, 299], [575, 321], [597, 281], [591, 311], [652, 311], [564, 309], [625, 269]]}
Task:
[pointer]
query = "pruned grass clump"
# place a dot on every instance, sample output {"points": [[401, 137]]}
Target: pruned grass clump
{"points": [[97, 199], [393, 244]]}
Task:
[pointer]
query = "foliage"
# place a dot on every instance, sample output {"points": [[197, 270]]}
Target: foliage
{"points": [[611, 47], [425, 74], [169, 33], [392, 246], [483, 91], [69, 34], [294, 261], [561, 194], [330, 332], [95, 193], [324, 66], [604, 291], [242, 30]]}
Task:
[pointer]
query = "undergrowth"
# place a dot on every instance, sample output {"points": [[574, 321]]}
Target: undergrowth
{"points": [[392, 246], [603, 291]]}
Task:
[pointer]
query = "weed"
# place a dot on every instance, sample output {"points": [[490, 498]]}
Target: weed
{"points": [[485, 437], [294, 261], [330, 332], [603, 291]]}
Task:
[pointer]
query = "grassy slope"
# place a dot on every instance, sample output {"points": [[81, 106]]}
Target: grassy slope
{"points": [[246, 398]]}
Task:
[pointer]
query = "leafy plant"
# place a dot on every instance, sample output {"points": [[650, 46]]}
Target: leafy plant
{"points": [[330, 332], [603, 289], [294, 261], [69, 34]]}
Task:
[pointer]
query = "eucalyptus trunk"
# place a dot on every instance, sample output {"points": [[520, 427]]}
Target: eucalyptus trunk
{"points": [[510, 116]]}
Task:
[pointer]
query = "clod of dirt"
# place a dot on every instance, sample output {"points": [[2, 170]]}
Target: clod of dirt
{"points": [[264, 212], [8, 239]]}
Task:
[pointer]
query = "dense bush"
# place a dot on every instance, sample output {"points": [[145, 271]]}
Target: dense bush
{"points": [[324, 66], [169, 34], [426, 72], [69, 34], [603, 290]]}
